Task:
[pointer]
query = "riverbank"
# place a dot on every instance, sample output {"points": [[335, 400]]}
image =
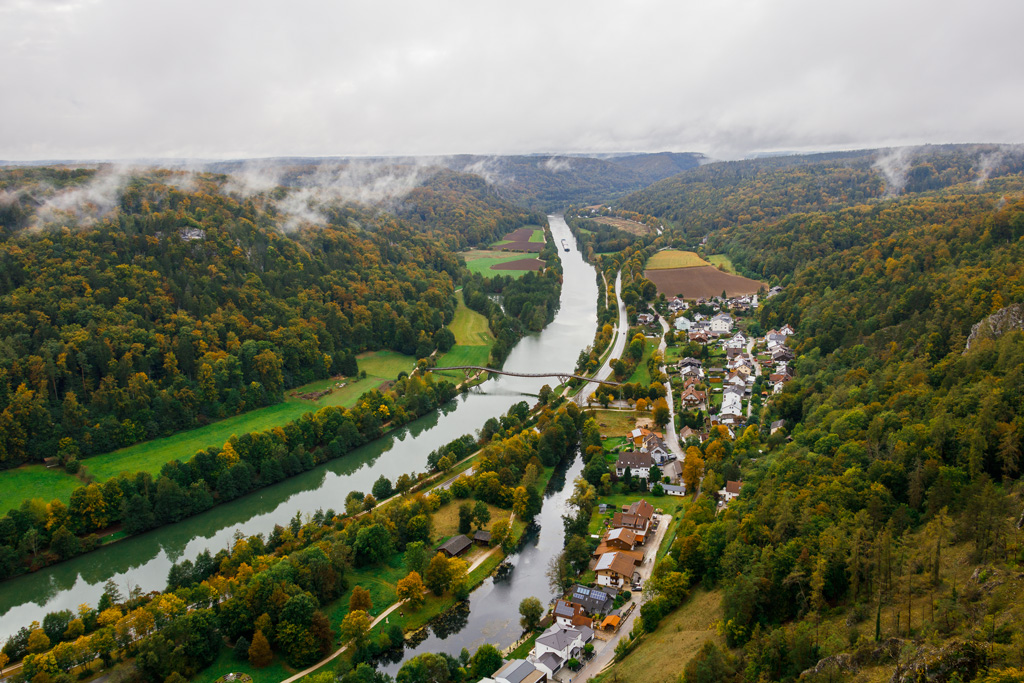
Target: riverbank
{"points": [[144, 560]]}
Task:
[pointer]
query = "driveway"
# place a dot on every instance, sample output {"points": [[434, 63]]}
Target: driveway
{"points": [[604, 657]]}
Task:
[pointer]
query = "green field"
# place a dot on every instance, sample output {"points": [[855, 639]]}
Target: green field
{"points": [[641, 374], [478, 261], [463, 355], [724, 261], [35, 481], [673, 258], [469, 327]]}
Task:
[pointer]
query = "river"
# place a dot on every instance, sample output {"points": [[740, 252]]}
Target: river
{"points": [[493, 608], [144, 561]]}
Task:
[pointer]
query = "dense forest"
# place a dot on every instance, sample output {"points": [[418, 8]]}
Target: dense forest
{"points": [[182, 301], [271, 596], [868, 540]]}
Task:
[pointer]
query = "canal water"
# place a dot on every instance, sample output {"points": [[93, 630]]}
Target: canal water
{"points": [[144, 561], [491, 614]]}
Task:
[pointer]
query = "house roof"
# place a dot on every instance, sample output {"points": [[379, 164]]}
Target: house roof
{"points": [[592, 599], [673, 488], [550, 660], [558, 637], [515, 671], [642, 508], [618, 563], [623, 535], [620, 519], [634, 460], [733, 487], [611, 620], [455, 544], [564, 608], [482, 536], [778, 424]]}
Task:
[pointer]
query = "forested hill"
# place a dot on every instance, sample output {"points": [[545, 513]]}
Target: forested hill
{"points": [[136, 305], [748, 192], [883, 541], [549, 183]]}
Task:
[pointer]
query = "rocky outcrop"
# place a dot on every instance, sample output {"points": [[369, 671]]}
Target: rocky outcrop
{"points": [[999, 323], [963, 659]]}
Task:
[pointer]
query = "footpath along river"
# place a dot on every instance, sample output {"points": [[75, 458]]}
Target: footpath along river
{"points": [[144, 561]]}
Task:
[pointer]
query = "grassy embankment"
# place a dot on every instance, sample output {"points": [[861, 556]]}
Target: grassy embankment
{"points": [[473, 341], [724, 261], [641, 374], [661, 656], [36, 481]]}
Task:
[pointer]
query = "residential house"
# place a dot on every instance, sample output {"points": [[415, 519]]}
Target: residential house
{"points": [[731, 491], [676, 304], [558, 645], [570, 615], [722, 323], [655, 447], [731, 403], [777, 425], [673, 470], [682, 324], [674, 490], [615, 569], [787, 330], [698, 336], [773, 291], [782, 353], [691, 398], [639, 464], [593, 600], [517, 671], [645, 319], [686, 432]]}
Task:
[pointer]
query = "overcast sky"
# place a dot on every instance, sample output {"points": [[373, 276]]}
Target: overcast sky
{"points": [[132, 79]]}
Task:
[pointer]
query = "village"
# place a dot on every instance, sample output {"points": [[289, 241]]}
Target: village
{"points": [[726, 374]]}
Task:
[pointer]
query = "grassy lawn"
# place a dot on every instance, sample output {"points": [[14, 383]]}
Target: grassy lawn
{"points": [[669, 504], [641, 373], [463, 355], [724, 261], [445, 522], [479, 261], [661, 656], [673, 258], [469, 327], [34, 481], [615, 422], [538, 234]]}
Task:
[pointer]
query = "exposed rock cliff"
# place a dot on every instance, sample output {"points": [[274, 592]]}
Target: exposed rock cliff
{"points": [[999, 323]]}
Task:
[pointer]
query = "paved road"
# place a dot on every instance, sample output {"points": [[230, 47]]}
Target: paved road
{"points": [[604, 658], [757, 373], [618, 345], [670, 432]]}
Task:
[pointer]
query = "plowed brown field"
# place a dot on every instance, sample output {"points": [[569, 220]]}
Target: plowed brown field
{"points": [[700, 282], [519, 264]]}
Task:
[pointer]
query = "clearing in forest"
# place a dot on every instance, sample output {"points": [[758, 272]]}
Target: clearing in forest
{"points": [[673, 258], [526, 238], [632, 227], [490, 263]]}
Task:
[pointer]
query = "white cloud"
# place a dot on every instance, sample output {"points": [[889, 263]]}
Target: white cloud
{"points": [[241, 78]]}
